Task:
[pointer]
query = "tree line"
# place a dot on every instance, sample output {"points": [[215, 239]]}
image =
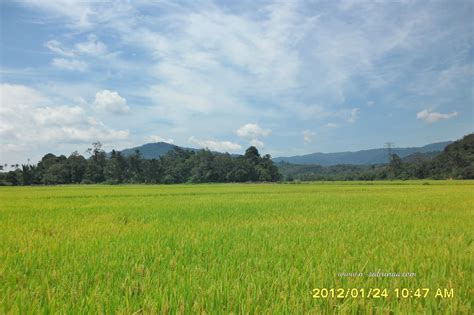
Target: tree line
{"points": [[177, 166], [203, 166]]}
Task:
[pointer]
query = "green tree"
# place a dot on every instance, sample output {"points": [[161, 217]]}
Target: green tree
{"points": [[96, 164], [152, 171], [57, 173], [135, 171], [203, 167], [77, 165], [252, 155], [53, 170], [116, 168]]}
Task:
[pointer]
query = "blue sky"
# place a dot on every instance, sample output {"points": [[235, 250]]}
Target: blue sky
{"points": [[290, 77]]}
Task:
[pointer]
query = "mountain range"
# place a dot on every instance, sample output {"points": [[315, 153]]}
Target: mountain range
{"points": [[362, 157]]}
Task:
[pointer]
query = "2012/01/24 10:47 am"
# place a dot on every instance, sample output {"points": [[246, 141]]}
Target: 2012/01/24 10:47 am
{"points": [[341, 293]]}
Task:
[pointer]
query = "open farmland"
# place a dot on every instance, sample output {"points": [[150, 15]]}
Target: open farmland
{"points": [[242, 248]]}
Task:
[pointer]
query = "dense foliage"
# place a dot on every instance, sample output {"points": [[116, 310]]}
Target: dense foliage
{"points": [[456, 161], [177, 166]]}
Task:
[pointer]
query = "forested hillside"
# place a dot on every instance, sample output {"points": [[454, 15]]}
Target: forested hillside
{"points": [[456, 161]]}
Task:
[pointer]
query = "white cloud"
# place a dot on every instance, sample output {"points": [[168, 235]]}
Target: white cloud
{"points": [[331, 125], [111, 101], [212, 62], [252, 131], [57, 48], [13, 95], [91, 47], [69, 64], [429, 116], [59, 115], [78, 11], [157, 138], [222, 146], [34, 121], [308, 136], [93, 133]]}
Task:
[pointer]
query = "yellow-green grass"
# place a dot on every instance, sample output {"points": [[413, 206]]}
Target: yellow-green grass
{"points": [[234, 248]]}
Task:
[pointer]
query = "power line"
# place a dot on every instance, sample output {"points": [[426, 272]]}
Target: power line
{"points": [[389, 146]]}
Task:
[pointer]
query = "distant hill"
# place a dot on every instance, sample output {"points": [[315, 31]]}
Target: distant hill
{"points": [[153, 150], [363, 157]]}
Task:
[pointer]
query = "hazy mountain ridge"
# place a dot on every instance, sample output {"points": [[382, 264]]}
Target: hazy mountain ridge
{"points": [[362, 157]]}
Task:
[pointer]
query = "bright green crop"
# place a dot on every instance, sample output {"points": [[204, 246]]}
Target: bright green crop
{"points": [[236, 248]]}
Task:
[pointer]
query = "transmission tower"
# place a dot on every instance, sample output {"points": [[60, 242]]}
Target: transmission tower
{"points": [[389, 146]]}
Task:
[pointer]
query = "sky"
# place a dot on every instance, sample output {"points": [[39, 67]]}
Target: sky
{"points": [[290, 77]]}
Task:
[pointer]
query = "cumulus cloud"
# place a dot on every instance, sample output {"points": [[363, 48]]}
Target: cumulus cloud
{"points": [[252, 131], [69, 64], [59, 115], [111, 101], [31, 119], [308, 136], [223, 146], [157, 138], [429, 116]]}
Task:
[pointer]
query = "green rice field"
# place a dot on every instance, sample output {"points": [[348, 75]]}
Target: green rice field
{"points": [[238, 248]]}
